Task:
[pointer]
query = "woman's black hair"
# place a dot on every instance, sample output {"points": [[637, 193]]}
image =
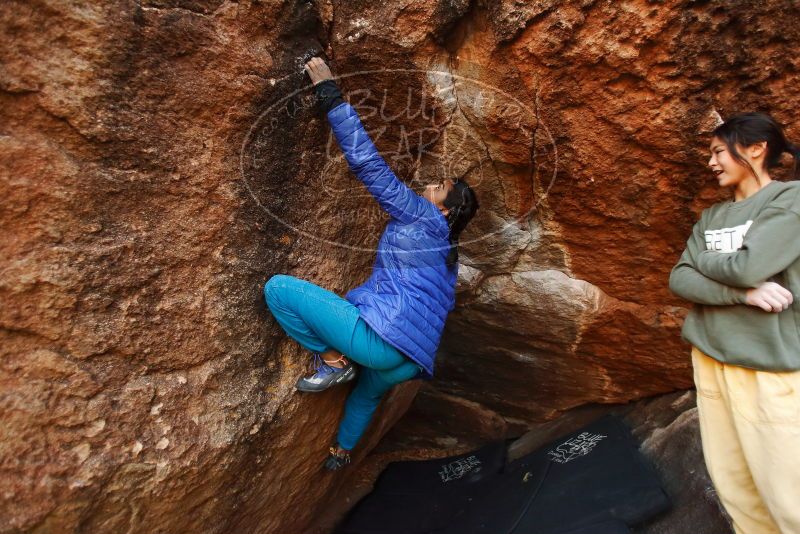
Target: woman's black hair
{"points": [[746, 129], [462, 203]]}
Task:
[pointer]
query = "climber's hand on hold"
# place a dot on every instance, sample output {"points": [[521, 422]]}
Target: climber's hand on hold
{"points": [[317, 70], [328, 95]]}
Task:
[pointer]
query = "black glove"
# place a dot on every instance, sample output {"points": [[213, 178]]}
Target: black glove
{"points": [[328, 95]]}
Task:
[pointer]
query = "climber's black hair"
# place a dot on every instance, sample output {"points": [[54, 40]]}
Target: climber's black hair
{"points": [[746, 129], [462, 203]]}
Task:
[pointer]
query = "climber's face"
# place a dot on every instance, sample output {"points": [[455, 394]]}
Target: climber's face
{"points": [[437, 192]]}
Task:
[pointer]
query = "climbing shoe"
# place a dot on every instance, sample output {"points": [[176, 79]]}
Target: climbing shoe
{"points": [[325, 376], [336, 460]]}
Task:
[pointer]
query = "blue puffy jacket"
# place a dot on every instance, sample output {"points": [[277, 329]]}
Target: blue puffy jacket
{"points": [[411, 290]]}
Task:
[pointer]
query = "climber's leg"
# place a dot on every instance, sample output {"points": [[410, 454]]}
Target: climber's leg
{"points": [[369, 349], [383, 366], [365, 397], [318, 319]]}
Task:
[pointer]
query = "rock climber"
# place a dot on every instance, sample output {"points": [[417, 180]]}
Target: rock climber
{"points": [[391, 325]]}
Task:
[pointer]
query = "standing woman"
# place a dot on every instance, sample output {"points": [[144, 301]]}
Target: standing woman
{"points": [[741, 268], [391, 325]]}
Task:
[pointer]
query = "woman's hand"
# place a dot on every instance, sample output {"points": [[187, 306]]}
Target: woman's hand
{"points": [[317, 70], [770, 297]]}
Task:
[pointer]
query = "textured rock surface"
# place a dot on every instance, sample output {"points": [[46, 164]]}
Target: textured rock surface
{"points": [[159, 160], [670, 434], [623, 93], [144, 384]]}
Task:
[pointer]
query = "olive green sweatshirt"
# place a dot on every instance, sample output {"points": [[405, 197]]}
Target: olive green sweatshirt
{"points": [[736, 246]]}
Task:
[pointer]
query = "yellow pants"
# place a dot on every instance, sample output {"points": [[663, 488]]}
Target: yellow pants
{"points": [[750, 427]]}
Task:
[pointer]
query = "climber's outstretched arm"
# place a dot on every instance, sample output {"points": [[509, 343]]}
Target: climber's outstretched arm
{"points": [[361, 154]]}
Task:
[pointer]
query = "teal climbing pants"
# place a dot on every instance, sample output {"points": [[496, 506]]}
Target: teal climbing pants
{"points": [[320, 320]]}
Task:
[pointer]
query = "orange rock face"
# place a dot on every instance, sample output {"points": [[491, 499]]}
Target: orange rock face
{"points": [[571, 305], [159, 160]]}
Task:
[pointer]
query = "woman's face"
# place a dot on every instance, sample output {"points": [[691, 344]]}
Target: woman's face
{"points": [[728, 171], [437, 192]]}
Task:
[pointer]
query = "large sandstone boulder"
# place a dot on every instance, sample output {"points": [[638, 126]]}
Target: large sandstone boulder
{"points": [[160, 159]]}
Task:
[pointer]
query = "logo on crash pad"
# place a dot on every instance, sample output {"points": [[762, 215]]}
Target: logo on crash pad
{"points": [[575, 447], [458, 468]]}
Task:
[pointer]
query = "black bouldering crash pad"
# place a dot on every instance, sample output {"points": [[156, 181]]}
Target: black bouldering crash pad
{"points": [[594, 480]]}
